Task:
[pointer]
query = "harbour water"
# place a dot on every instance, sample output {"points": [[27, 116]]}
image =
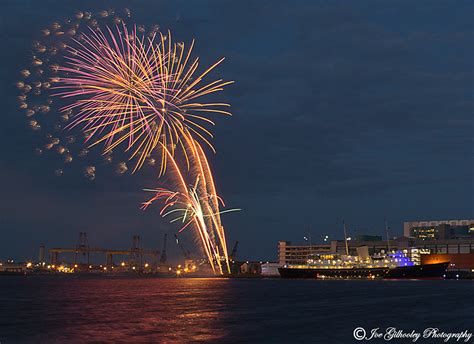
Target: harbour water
{"points": [[93, 309]]}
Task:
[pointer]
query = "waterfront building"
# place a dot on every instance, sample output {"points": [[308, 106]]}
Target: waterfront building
{"points": [[270, 269], [439, 230], [10, 267], [251, 268], [298, 254], [365, 237]]}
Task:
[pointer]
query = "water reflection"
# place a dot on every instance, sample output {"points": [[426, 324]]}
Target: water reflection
{"points": [[143, 310], [85, 309]]}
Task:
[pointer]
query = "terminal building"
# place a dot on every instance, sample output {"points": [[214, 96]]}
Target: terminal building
{"points": [[439, 230]]}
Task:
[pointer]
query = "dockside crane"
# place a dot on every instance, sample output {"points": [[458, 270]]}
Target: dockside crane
{"points": [[186, 253], [233, 254]]}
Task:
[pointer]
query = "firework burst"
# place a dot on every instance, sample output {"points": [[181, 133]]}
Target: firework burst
{"points": [[138, 90]]}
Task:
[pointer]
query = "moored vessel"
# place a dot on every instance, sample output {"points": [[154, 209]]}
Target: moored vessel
{"points": [[391, 266]]}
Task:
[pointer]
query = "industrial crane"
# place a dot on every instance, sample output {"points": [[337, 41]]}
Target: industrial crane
{"points": [[233, 254], [186, 253]]}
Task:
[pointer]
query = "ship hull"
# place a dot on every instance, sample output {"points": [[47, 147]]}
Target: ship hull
{"points": [[405, 272], [419, 271]]}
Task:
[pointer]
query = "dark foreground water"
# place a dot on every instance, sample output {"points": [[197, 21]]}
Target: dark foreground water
{"points": [[86, 309]]}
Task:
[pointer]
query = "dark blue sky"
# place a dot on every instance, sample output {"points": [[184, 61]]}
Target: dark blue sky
{"points": [[342, 109]]}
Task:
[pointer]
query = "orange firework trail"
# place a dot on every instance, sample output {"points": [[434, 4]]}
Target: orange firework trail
{"points": [[142, 94], [197, 205], [140, 90]]}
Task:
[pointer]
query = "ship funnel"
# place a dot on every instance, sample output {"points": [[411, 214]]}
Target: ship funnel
{"points": [[363, 252]]}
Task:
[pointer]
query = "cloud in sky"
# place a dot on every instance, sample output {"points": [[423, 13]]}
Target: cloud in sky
{"points": [[341, 109]]}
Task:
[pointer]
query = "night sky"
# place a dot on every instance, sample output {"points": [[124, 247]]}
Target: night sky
{"points": [[354, 110]]}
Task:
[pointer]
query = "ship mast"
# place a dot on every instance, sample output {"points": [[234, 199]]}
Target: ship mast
{"points": [[345, 237], [388, 237], [310, 243], [308, 238]]}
